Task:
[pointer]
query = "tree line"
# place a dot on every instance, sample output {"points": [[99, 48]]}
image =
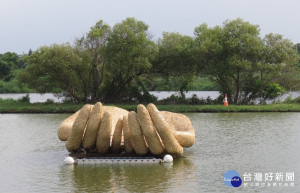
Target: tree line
{"points": [[10, 65], [121, 63]]}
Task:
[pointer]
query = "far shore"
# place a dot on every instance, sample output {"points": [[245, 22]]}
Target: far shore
{"points": [[71, 108]]}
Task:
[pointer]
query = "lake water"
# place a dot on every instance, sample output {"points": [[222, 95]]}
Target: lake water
{"points": [[31, 156], [38, 98]]}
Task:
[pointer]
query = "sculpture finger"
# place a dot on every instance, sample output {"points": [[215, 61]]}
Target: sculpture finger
{"points": [[90, 135], [116, 140], [184, 131], [165, 131], [65, 127], [149, 131], [75, 138], [127, 138], [138, 140], [104, 134]]}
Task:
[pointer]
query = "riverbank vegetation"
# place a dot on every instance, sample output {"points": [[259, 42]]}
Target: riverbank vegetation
{"points": [[24, 106], [71, 108], [120, 64]]}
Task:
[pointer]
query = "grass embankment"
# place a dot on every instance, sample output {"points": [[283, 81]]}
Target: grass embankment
{"points": [[19, 107], [39, 108]]}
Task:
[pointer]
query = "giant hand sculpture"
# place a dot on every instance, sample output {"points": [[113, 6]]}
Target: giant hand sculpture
{"points": [[109, 129]]}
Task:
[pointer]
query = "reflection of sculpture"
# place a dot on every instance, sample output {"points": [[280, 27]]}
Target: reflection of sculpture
{"points": [[128, 177], [101, 127]]}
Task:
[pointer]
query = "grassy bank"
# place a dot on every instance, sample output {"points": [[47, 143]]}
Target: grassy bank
{"points": [[18, 107]]}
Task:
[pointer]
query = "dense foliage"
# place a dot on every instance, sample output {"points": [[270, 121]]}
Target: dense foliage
{"points": [[121, 63], [244, 65], [10, 65]]}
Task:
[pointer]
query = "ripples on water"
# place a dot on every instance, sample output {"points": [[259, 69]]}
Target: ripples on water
{"points": [[31, 156]]}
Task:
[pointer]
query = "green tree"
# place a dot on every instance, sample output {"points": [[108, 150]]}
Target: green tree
{"points": [[29, 52], [58, 69], [280, 59], [92, 44], [175, 59], [127, 56], [8, 62], [104, 64], [76, 71], [298, 48], [241, 63]]}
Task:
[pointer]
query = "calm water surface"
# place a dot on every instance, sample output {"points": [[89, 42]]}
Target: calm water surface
{"points": [[31, 156]]}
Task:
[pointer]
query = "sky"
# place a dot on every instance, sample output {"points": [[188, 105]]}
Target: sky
{"points": [[29, 24]]}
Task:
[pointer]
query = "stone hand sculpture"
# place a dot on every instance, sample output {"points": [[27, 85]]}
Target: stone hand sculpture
{"points": [[110, 129]]}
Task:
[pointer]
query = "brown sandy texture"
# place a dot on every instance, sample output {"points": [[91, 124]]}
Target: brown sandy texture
{"points": [[90, 135], [137, 138], [149, 131], [127, 138], [75, 138], [165, 131], [116, 114], [104, 133], [116, 140], [65, 127], [184, 130], [185, 139]]}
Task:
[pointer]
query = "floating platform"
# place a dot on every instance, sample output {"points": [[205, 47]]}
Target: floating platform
{"points": [[90, 158], [117, 160]]}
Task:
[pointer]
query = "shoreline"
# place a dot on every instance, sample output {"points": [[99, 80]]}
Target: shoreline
{"points": [[33, 108]]}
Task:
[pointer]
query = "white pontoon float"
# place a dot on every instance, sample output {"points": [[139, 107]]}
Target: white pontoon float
{"points": [[90, 159]]}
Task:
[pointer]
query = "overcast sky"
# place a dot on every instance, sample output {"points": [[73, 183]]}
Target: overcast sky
{"points": [[29, 24]]}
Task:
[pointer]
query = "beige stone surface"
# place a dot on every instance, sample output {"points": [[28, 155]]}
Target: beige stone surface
{"points": [[184, 130], [90, 135], [148, 128], [127, 138], [165, 131], [116, 140], [137, 137], [65, 127], [75, 138], [104, 134], [116, 114], [149, 131], [185, 139]]}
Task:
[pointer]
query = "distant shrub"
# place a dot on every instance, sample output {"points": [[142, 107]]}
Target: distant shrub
{"points": [[210, 101], [290, 100], [49, 101], [194, 100], [7, 101], [68, 100], [173, 99], [297, 100], [24, 99], [147, 98], [12, 87], [272, 91]]}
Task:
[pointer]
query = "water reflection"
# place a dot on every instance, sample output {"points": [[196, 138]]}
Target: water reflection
{"points": [[92, 179], [126, 177]]}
